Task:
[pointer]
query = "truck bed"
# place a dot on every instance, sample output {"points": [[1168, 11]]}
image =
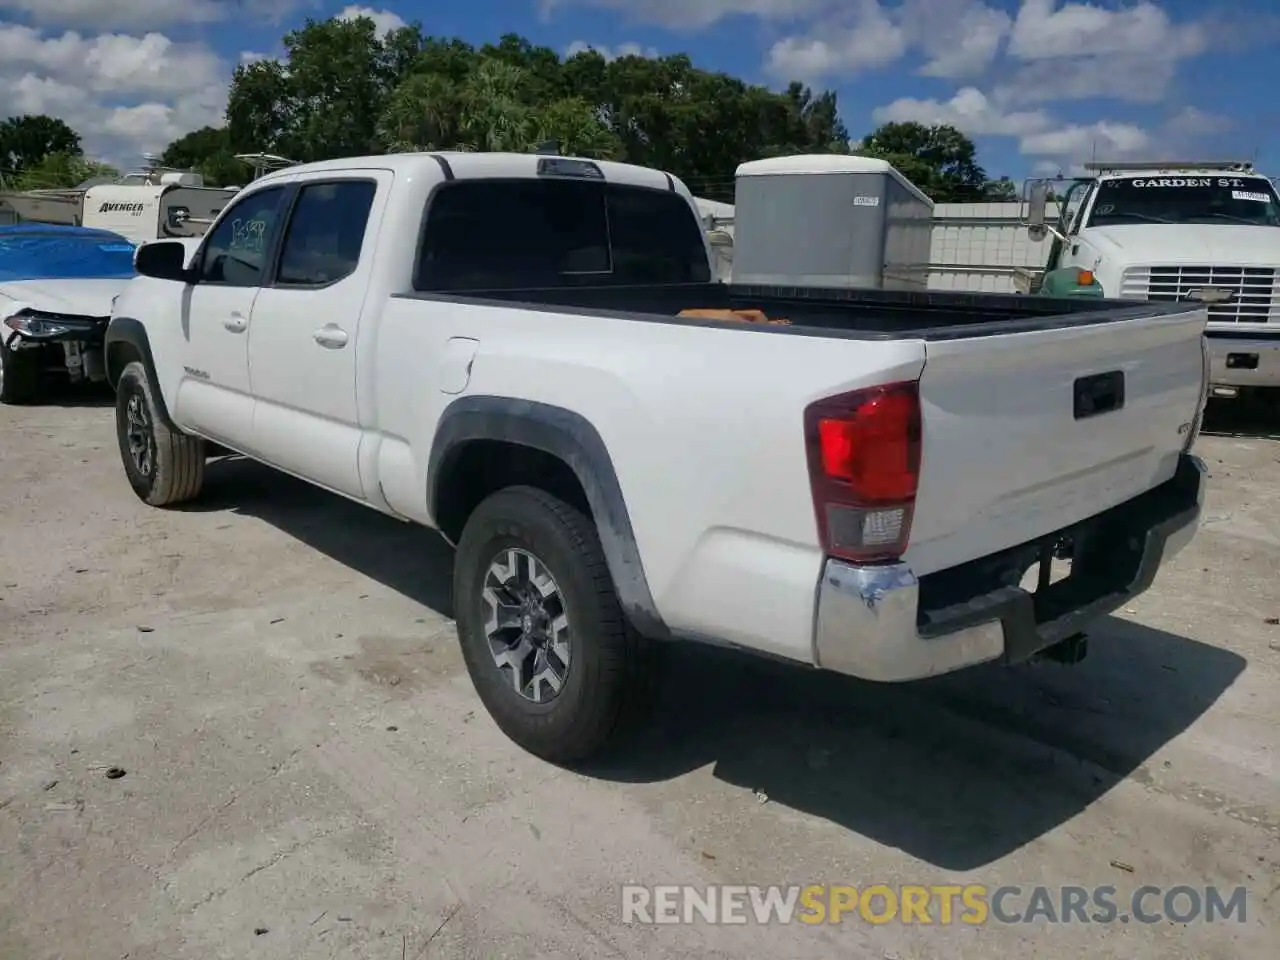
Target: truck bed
{"points": [[813, 311]]}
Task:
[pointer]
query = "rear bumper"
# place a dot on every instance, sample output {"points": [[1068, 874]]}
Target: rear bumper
{"points": [[1239, 361], [883, 623]]}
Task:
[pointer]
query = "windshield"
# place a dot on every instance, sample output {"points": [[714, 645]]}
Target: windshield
{"points": [[31, 252], [1243, 200]]}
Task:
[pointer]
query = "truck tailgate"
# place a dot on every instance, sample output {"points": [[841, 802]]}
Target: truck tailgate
{"points": [[1026, 433]]}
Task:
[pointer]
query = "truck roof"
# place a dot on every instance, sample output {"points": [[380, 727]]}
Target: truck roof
{"points": [[467, 166], [1175, 172]]}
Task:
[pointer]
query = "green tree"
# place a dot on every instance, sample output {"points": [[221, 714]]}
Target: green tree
{"points": [[25, 141], [1003, 190], [60, 171], [939, 159], [342, 90], [208, 152]]}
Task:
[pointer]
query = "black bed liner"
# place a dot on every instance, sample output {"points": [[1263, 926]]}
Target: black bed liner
{"points": [[854, 314]]}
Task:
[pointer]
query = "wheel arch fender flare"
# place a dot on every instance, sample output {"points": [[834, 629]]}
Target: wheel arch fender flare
{"points": [[574, 440], [130, 333]]}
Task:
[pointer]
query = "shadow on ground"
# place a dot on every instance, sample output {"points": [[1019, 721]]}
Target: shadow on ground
{"points": [[59, 393], [1251, 416], [409, 559], [957, 771]]}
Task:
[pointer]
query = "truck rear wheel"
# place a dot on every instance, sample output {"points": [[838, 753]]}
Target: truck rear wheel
{"points": [[19, 375], [544, 638], [164, 465]]}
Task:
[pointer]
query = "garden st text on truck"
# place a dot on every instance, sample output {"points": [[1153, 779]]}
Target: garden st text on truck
{"points": [[491, 345]]}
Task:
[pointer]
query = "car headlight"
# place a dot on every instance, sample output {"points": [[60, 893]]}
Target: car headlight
{"points": [[36, 325]]}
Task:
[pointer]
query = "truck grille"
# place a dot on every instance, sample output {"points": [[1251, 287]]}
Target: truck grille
{"points": [[1254, 288]]}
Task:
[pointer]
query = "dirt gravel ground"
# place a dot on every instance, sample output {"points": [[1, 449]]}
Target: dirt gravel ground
{"points": [[307, 773]]}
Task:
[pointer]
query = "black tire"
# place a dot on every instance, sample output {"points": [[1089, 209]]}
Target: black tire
{"points": [[173, 470], [19, 375], [609, 684]]}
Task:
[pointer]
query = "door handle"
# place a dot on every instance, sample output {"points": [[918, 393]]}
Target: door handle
{"points": [[331, 336], [236, 323]]}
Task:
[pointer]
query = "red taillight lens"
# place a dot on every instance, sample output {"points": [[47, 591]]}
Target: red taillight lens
{"points": [[864, 465]]}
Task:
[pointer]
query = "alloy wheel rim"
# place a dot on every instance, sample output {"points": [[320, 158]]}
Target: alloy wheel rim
{"points": [[526, 625], [139, 435]]}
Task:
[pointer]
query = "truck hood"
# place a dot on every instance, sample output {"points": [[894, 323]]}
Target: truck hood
{"points": [[82, 298], [1198, 244]]}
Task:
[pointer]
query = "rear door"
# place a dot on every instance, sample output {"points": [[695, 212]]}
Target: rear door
{"points": [[1026, 433], [303, 343]]}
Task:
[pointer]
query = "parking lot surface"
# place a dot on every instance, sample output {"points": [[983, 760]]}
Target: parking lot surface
{"points": [[301, 769]]}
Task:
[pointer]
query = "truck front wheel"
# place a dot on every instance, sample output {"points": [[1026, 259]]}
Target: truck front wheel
{"points": [[164, 465], [544, 638]]}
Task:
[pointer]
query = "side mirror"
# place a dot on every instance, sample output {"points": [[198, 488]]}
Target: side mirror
{"points": [[162, 260], [1037, 205]]}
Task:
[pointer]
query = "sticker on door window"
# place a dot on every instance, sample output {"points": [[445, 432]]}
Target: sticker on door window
{"points": [[1250, 195], [1105, 208], [247, 235]]}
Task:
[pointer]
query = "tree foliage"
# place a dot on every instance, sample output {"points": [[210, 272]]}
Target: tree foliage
{"points": [[341, 89], [60, 170], [208, 152], [939, 159], [27, 140]]}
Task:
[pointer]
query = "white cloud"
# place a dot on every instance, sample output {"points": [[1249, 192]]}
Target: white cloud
{"points": [[959, 38], [145, 14], [1046, 50], [117, 13], [1037, 132], [383, 20], [248, 57], [611, 53], [1044, 31], [1081, 51], [1106, 139], [691, 14], [969, 111], [865, 38], [123, 94]]}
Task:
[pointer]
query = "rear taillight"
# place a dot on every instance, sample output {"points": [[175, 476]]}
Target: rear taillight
{"points": [[864, 465]]}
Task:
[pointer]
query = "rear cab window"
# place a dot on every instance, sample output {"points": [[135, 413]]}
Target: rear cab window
{"points": [[547, 233]]}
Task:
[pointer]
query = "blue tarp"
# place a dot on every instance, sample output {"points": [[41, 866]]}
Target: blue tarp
{"points": [[36, 251]]}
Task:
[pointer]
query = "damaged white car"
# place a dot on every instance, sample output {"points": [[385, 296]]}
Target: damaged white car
{"points": [[57, 285]]}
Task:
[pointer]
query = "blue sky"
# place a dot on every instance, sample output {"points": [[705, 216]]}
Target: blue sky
{"points": [[1039, 84]]}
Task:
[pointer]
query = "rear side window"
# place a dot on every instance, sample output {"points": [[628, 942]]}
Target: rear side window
{"points": [[326, 232], [495, 235]]}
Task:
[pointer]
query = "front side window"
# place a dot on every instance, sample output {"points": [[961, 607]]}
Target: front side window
{"points": [[1242, 200], [495, 235], [236, 251], [326, 232]]}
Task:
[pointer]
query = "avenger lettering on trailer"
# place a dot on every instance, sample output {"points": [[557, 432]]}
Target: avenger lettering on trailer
{"points": [[134, 209]]}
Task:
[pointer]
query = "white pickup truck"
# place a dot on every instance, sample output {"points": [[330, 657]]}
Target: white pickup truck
{"points": [[490, 345]]}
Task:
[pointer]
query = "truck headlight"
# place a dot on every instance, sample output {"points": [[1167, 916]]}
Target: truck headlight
{"points": [[36, 325]]}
